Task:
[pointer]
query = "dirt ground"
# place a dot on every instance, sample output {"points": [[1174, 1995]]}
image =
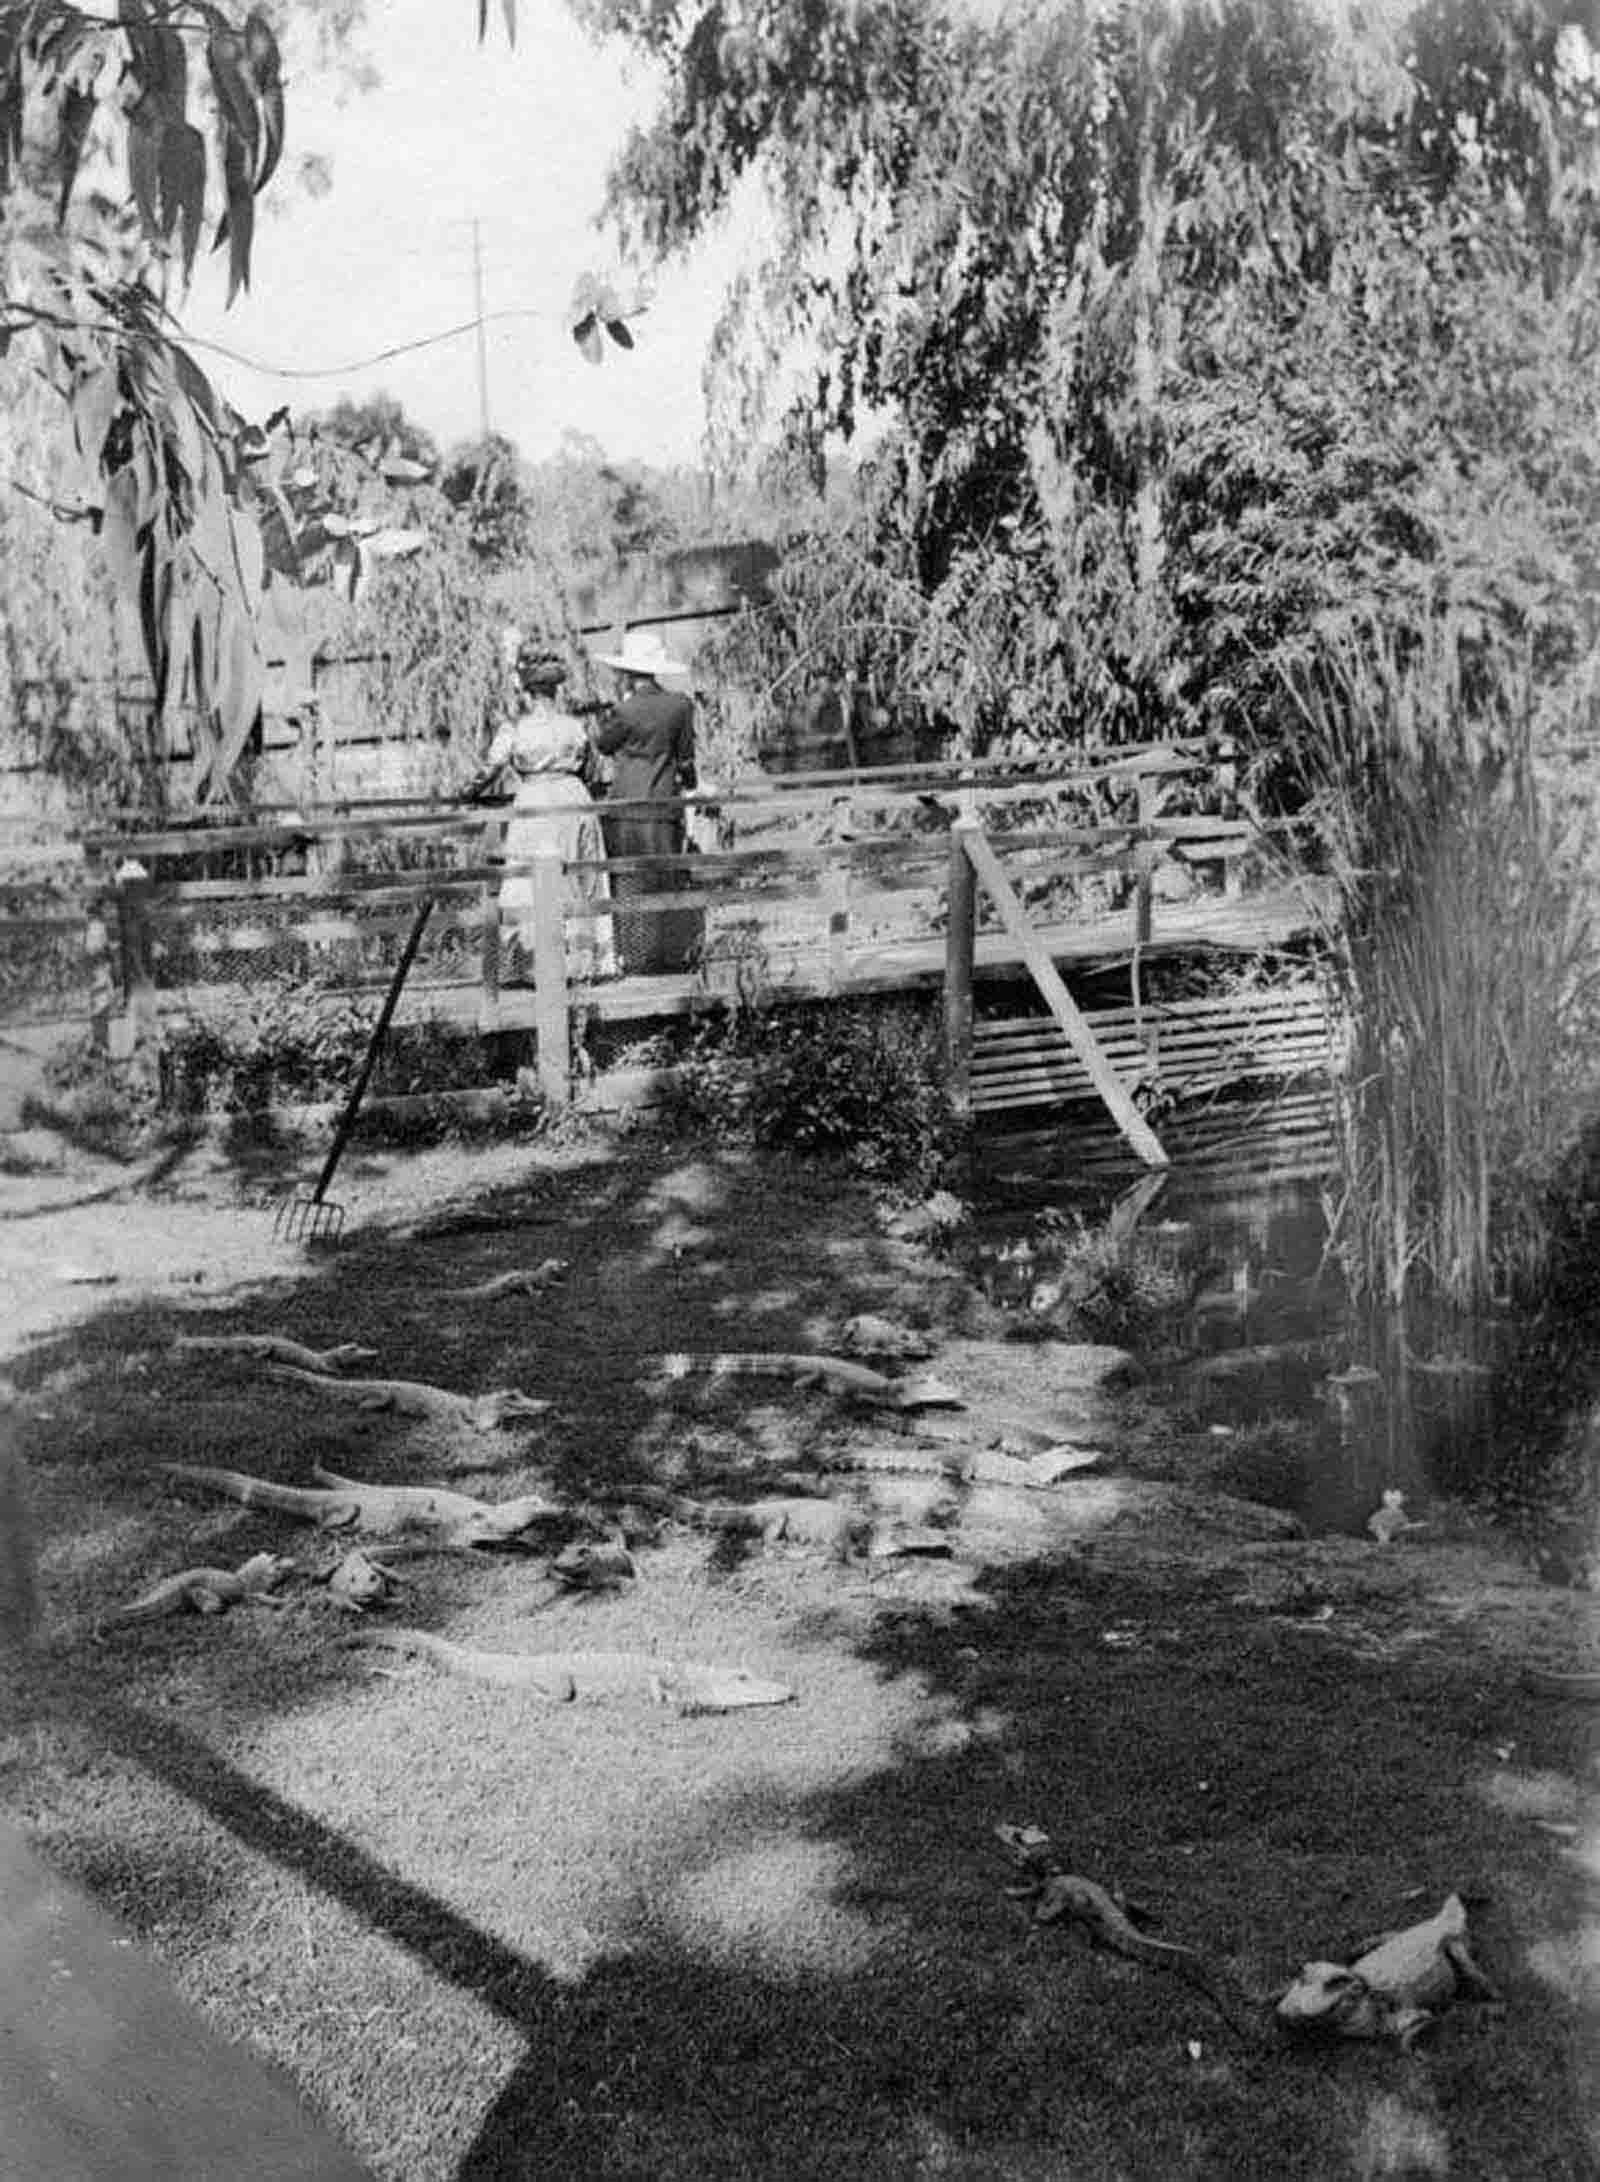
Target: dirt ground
{"points": [[492, 1937]]}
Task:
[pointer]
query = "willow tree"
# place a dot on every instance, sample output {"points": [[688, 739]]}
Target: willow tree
{"points": [[1045, 246]]}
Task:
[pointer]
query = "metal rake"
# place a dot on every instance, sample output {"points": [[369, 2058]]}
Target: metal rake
{"points": [[317, 1218]]}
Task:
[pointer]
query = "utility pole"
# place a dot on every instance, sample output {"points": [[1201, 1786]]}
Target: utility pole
{"points": [[483, 339]]}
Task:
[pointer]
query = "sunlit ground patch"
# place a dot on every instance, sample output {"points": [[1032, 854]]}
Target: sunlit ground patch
{"points": [[774, 1904]]}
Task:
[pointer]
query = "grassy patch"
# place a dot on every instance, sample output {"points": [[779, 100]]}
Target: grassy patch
{"points": [[492, 1938]]}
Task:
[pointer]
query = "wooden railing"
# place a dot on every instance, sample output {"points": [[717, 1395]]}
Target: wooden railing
{"points": [[807, 886]]}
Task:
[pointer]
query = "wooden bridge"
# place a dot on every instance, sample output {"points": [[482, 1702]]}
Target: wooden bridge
{"points": [[806, 887]]}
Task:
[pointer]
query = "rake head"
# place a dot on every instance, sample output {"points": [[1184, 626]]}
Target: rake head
{"points": [[308, 1220]]}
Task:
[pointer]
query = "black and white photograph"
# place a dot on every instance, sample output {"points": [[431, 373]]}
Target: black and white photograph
{"points": [[799, 1090]]}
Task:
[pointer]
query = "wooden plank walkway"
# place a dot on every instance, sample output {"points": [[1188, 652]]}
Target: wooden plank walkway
{"points": [[1255, 924], [807, 889]]}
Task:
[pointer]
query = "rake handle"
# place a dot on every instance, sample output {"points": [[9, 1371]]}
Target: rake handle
{"points": [[347, 1120]]}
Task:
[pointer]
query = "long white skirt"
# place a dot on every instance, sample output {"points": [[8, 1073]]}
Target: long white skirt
{"points": [[555, 811]]}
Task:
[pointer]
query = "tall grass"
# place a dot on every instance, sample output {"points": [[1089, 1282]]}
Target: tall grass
{"points": [[1462, 950]]}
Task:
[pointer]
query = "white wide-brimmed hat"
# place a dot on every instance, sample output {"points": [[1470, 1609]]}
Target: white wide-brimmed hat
{"points": [[642, 653]]}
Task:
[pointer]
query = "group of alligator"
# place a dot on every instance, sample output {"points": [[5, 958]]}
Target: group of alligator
{"points": [[431, 1517], [1396, 1986]]}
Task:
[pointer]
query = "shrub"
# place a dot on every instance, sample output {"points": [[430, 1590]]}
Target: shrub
{"points": [[292, 1046], [1127, 1289], [101, 1105], [861, 1082], [284, 1045]]}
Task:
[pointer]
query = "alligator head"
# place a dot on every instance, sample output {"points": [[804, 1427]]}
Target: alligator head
{"points": [[506, 1405], [716, 1689], [263, 1571], [506, 1523], [1329, 2000]]}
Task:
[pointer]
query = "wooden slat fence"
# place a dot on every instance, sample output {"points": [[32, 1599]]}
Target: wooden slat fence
{"points": [[1182, 1049], [815, 886]]}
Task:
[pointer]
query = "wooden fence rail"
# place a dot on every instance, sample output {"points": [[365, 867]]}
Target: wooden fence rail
{"points": [[861, 890]]}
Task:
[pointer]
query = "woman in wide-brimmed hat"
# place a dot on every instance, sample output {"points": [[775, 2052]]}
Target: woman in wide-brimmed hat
{"points": [[649, 737], [543, 752]]}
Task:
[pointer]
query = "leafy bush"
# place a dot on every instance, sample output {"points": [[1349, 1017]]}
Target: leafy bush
{"points": [[292, 1046], [104, 1107], [283, 1046], [859, 1082], [1126, 1289]]}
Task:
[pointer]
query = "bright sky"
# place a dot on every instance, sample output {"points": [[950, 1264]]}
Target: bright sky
{"points": [[518, 140]]}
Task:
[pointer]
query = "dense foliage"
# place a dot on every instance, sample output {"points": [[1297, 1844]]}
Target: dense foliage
{"points": [[1187, 326], [129, 138], [859, 1082]]}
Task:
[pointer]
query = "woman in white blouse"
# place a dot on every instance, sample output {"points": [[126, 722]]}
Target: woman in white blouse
{"points": [[543, 753]]}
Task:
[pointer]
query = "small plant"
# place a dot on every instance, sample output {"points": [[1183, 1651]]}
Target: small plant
{"points": [[105, 1107], [1128, 1290], [284, 1045], [859, 1082]]}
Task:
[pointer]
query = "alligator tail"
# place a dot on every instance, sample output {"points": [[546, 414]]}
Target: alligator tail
{"points": [[250, 1492]]}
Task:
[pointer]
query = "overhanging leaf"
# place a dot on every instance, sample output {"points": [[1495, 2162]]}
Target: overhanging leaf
{"points": [[618, 330], [236, 692], [237, 225], [77, 113], [183, 188], [145, 128], [249, 558], [236, 99], [95, 400], [265, 70], [587, 335], [119, 532]]}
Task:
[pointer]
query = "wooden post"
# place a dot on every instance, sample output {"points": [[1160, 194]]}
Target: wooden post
{"points": [[836, 901], [551, 1016], [489, 951], [959, 945], [1144, 859], [102, 968], [1058, 1000], [489, 960], [136, 1026]]}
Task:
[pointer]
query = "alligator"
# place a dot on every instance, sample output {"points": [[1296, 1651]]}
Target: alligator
{"points": [[343, 1503], [797, 1520], [277, 1348], [866, 1335], [837, 1373], [1397, 1987], [692, 1686], [210, 1590], [523, 1281], [359, 1582], [594, 1564], [1057, 1894], [976, 1466], [414, 1398]]}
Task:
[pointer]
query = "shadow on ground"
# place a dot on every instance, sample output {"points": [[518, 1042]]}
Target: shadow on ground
{"points": [[495, 1940]]}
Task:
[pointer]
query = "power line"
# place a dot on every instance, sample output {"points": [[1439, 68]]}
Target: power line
{"points": [[362, 363]]}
